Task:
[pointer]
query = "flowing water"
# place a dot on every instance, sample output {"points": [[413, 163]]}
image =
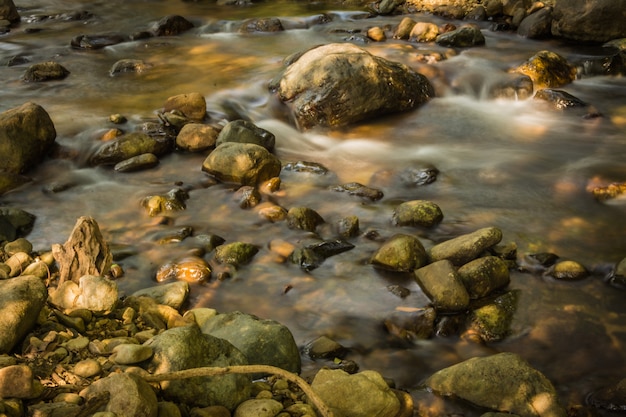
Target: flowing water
{"points": [[515, 164]]}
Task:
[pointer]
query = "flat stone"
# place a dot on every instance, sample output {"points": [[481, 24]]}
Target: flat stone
{"points": [[465, 248], [441, 283]]}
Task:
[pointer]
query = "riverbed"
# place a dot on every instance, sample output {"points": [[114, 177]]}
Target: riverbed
{"points": [[518, 165]]}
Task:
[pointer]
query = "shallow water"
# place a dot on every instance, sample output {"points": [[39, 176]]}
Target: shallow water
{"points": [[514, 164]]}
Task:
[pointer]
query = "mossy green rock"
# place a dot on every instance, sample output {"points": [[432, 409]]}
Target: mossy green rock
{"points": [[401, 253], [548, 69], [417, 213], [128, 146], [441, 283], [236, 253], [465, 248], [242, 163], [484, 275], [492, 321]]}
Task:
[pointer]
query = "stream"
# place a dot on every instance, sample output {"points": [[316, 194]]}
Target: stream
{"points": [[518, 165]]}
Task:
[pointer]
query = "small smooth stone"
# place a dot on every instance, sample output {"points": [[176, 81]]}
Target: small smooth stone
{"points": [[17, 381], [77, 344], [569, 271], [137, 163], [130, 353], [68, 397], [18, 245], [88, 368], [258, 408]]}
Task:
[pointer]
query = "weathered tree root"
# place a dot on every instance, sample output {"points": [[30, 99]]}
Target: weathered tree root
{"points": [[316, 401]]}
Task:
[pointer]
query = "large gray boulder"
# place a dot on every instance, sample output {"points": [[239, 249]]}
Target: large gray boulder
{"points": [[26, 135], [337, 84], [589, 20], [187, 347], [264, 342], [21, 300], [502, 382]]}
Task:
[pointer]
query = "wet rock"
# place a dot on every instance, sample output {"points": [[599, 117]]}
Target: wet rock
{"points": [[303, 218], [254, 164], [324, 347], [484, 275], [235, 253], [8, 11], [306, 167], [386, 7], [417, 213], [137, 163], [491, 321], [192, 105], [443, 286], [186, 348], [263, 342], [247, 197], [537, 25], [559, 99], [128, 146], [196, 137], [359, 190], [174, 200], [403, 31], [27, 134], [263, 24], [18, 381], [129, 395], [347, 227], [568, 271], [312, 256], [271, 212], [465, 248], [401, 253], [173, 294], [171, 26], [356, 86], [502, 382], [412, 325], [590, 21], [21, 299], [608, 192], [96, 41], [548, 70], [84, 253], [463, 37], [243, 131], [128, 66], [376, 34], [364, 394], [513, 87], [424, 32], [45, 71], [92, 292], [191, 269]]}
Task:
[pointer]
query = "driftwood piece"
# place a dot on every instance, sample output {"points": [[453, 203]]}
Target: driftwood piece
{"points": [[84, 253]]}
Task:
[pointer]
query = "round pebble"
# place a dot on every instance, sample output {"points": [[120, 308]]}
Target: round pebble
{"points": [[76, 344], [87, 368], [569, 271], [127, 354]]}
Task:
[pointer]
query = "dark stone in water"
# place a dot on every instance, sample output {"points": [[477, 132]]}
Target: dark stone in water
{"points": [[359, 190], [171, 26], [559, 99], [45, 71], [312, 256], [96, 41], [305, 166], [261, 25]]}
